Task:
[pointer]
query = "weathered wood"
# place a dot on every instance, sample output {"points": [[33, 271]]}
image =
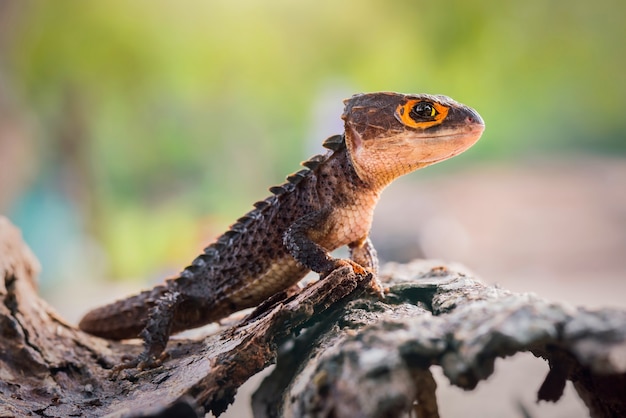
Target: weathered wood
{"points": [[49, 367], [342, 351], [373, 359]]}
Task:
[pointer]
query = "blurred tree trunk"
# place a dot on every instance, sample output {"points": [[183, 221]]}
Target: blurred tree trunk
{"points": [[344, 352]]}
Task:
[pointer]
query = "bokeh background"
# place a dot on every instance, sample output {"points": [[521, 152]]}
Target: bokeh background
{"points": [[133, 133]]}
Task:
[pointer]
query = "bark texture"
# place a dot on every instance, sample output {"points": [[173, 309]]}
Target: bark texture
{"points": [[340, 351]]}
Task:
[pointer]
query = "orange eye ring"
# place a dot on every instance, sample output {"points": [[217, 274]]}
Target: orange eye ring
{"points": [[403, 114]]}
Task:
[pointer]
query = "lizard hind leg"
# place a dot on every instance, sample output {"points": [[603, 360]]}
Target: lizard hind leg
{"points": [[156, 332]]}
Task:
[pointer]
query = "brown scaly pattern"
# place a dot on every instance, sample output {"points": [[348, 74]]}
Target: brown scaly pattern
{"points": [[259, 260], [325, 206]]}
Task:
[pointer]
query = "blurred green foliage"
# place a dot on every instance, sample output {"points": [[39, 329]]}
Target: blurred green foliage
{"points": [[176, 110]]}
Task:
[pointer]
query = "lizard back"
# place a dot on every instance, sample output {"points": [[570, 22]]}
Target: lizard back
{"points": [[246, 264]]}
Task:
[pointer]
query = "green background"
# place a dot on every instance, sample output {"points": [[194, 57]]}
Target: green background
{"points": [[147, 126]]}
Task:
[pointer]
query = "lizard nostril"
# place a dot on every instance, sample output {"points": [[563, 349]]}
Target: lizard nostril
{"points": [[474, 118]]}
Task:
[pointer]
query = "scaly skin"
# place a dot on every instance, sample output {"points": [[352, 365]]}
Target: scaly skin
{"points": [[327, 205]]}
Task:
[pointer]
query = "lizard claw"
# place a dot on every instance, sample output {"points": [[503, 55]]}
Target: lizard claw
{"points": [[375, 286], [357, 268], [140, 363], [115, 372]]}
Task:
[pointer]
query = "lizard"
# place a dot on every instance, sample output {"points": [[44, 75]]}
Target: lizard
{"points": [[327, 205]]}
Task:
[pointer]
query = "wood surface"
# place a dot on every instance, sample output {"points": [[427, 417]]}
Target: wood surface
{"points": [[339, 350]]}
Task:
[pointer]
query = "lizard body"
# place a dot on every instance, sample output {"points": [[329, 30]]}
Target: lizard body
{"points": [[327, 205]]}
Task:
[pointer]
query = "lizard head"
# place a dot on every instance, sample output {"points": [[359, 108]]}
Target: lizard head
{"points": [[391, 134]]}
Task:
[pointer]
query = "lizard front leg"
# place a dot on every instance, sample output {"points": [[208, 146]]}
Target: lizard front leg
{"points": [[299, 239], [364, 253]]}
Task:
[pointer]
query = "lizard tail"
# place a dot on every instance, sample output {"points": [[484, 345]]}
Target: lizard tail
{"points": [[122, 319]]}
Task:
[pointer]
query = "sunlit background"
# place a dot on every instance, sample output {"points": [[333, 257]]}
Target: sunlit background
{"points": [[133, 133]]}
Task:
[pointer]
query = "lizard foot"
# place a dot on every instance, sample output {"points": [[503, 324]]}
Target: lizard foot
{"points": [[375, 286], [342, 262], [141, 363]]}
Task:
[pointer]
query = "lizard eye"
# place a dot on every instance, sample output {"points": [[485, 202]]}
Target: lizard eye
{"points": [[423, 111], [420, 113]]}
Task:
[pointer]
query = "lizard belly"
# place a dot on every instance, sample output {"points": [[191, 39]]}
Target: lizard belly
{"points": [[282, 274]]}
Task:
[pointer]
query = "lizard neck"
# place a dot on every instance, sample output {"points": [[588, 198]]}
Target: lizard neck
{"points": [[376, 171], [340, 180]]}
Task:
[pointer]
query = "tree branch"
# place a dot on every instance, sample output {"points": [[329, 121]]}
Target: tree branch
{"points": [[339, 350]]}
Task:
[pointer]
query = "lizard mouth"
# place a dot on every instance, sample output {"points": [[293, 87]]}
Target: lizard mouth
{"points": [[466, 132], [469, 133], [447, 143]]}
